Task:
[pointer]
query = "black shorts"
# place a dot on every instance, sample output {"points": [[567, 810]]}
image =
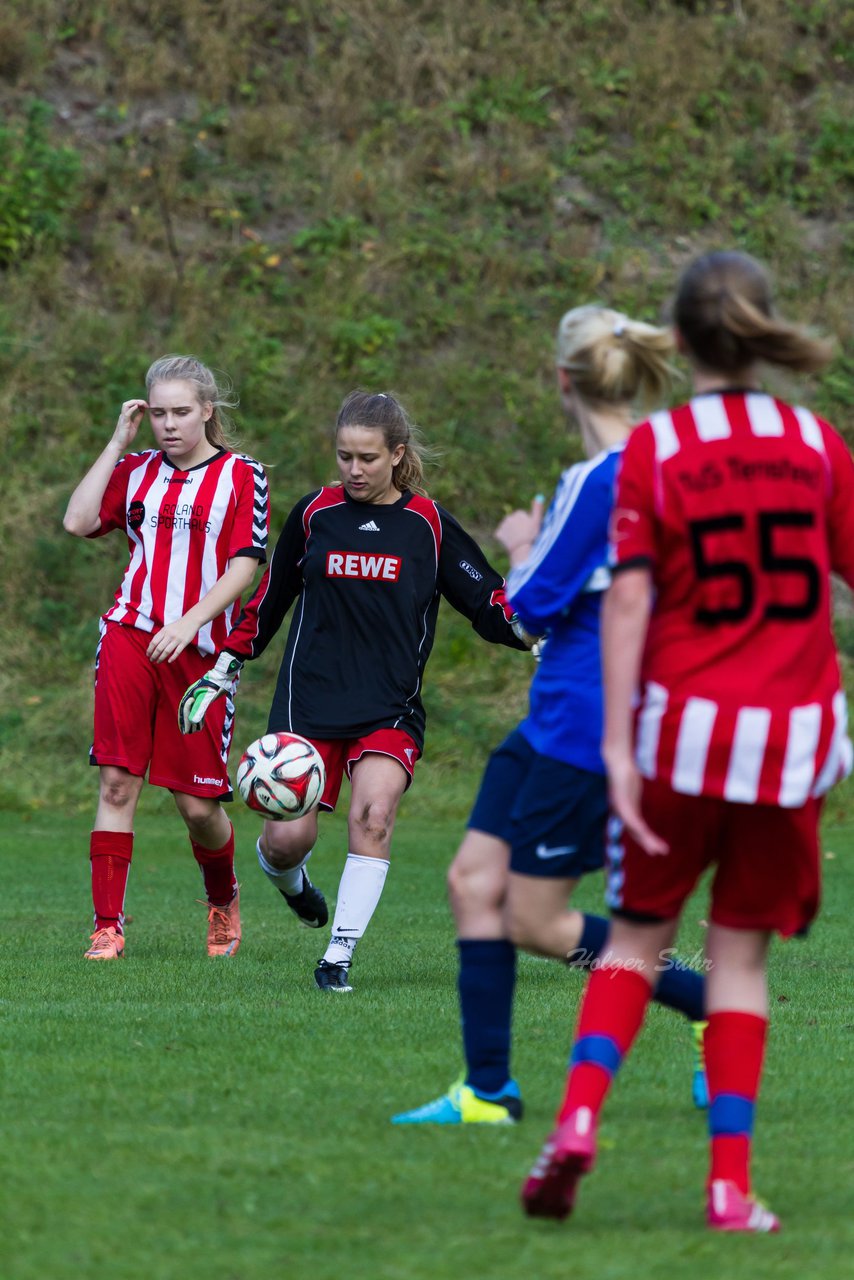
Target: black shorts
{"points": [[552, 814]]}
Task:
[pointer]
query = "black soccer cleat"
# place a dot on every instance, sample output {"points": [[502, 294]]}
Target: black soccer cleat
{"points": [[332, 977], [309, 905]]}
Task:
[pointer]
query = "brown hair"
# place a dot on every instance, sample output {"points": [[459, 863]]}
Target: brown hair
{"points": [[210, 389], [380, 411], [612, 358], [723, 310]]}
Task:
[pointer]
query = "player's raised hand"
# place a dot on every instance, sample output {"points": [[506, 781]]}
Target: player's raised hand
{"points": [[128, 423], [519, 530], [222, 678]]}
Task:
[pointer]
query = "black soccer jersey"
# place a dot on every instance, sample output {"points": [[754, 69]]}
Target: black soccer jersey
{"points": [[367, 580]]}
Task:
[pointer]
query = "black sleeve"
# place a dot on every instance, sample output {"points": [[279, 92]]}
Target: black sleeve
{"points": [[468, 582], [264, 612]]}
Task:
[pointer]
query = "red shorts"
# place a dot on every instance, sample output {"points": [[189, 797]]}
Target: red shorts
{"points": [[767, 860], [340, 754], [136, 716]]}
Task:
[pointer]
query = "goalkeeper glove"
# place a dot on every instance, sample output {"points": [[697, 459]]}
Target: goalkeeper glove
{"points": [[529, 641], [222, 678]]}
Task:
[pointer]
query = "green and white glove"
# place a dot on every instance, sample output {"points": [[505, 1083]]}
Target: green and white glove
{"points": [[222, 678], [529, 641]]}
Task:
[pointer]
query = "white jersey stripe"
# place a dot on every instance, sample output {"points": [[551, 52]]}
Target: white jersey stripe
{"points": [[838, 762], [710, 418], [648, 729], [179, 550], [218, 510], [810, 430], [571, 484], [692, 745], [799, 762], [666, 439], [139, 557], [765, 418], [752, 726]]}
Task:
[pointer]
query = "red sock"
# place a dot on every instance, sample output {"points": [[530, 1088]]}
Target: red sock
{"points": [[110, 853], [217, 871], [735, 1047], [610, 1017]]}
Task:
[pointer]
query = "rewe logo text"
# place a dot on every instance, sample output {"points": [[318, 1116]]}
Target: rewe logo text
{"points": [[350, 564]]}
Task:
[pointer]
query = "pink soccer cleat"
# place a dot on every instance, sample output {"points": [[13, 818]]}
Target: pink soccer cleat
{"points": [[549, 1190], [729, 1209]]}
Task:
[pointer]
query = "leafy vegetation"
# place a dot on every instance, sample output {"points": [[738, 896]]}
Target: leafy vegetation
{"points": [[314, 196]]}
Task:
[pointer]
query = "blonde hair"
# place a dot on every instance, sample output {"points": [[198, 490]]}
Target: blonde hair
{"points": [[380, 411], [612, 358], [214, 389], [723, 310]]}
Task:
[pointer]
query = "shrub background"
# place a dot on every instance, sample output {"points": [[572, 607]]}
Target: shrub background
{"points": [[404, 195]]}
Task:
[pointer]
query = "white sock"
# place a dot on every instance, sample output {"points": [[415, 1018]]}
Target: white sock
{"points": [[359, 892], [289, 880]]}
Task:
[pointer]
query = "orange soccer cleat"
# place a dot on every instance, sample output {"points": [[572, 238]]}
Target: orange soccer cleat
{"points": [[107, 944], [224, 927]]}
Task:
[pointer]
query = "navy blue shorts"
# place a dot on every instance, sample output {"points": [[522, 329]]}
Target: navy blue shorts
{"points": [[551, 814]]}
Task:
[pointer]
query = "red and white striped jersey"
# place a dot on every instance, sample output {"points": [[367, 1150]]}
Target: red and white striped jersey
{"points": [[742, 506], [183, 529]]}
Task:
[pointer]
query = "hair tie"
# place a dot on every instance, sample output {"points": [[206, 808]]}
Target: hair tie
{"points": [[619, 328]]}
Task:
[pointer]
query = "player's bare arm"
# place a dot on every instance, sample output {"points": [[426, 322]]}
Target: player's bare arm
{"points": [[625, 614], [82, 514], [171, 640]]}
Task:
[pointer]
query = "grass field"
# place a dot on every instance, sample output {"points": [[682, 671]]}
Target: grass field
{"points": [[173, 1117]]}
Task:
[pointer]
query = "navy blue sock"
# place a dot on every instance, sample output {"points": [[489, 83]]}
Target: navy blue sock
{"points": [[487, 980], [682, 989], [678, 988], [594, 935]]}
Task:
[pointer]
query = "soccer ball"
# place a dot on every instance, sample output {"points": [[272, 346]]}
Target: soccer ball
{"points": [[281, 776]]}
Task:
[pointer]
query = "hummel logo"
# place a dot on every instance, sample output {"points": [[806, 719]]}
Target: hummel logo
{"points": [[409, 753], [370, 527], [559, 851]]}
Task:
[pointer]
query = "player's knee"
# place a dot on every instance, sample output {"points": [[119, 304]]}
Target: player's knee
{"points": [[471, 889], [374, 822], [119, 789], [199, 813], [284, 849]]}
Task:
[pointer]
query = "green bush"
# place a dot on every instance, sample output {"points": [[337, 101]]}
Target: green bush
{"points": [[38, 185]]}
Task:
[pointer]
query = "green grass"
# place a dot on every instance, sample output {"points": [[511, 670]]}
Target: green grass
{"points": [[172, 1117]]}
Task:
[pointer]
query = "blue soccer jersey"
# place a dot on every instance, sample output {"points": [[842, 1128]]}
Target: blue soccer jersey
{"points": [[558, 591]]}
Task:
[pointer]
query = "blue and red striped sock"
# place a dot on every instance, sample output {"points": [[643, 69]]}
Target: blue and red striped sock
{"points": [[735, 1048], [610, 1017]]}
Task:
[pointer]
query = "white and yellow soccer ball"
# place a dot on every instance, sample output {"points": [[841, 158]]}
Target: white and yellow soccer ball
{"points": [[281, 776]]}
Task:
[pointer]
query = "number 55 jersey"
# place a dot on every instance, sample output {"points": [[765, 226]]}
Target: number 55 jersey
{"points": [[741, 506]]}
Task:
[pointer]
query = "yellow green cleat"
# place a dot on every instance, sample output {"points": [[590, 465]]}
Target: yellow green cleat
{"points": [[461, 1105]]}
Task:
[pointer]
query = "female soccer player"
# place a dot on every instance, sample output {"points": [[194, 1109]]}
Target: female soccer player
{"points": [[366, 562], [731, 512], [195, 515], [538, 823]]}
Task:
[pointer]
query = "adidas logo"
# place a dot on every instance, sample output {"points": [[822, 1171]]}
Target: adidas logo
{"points": [[370, 527]]}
